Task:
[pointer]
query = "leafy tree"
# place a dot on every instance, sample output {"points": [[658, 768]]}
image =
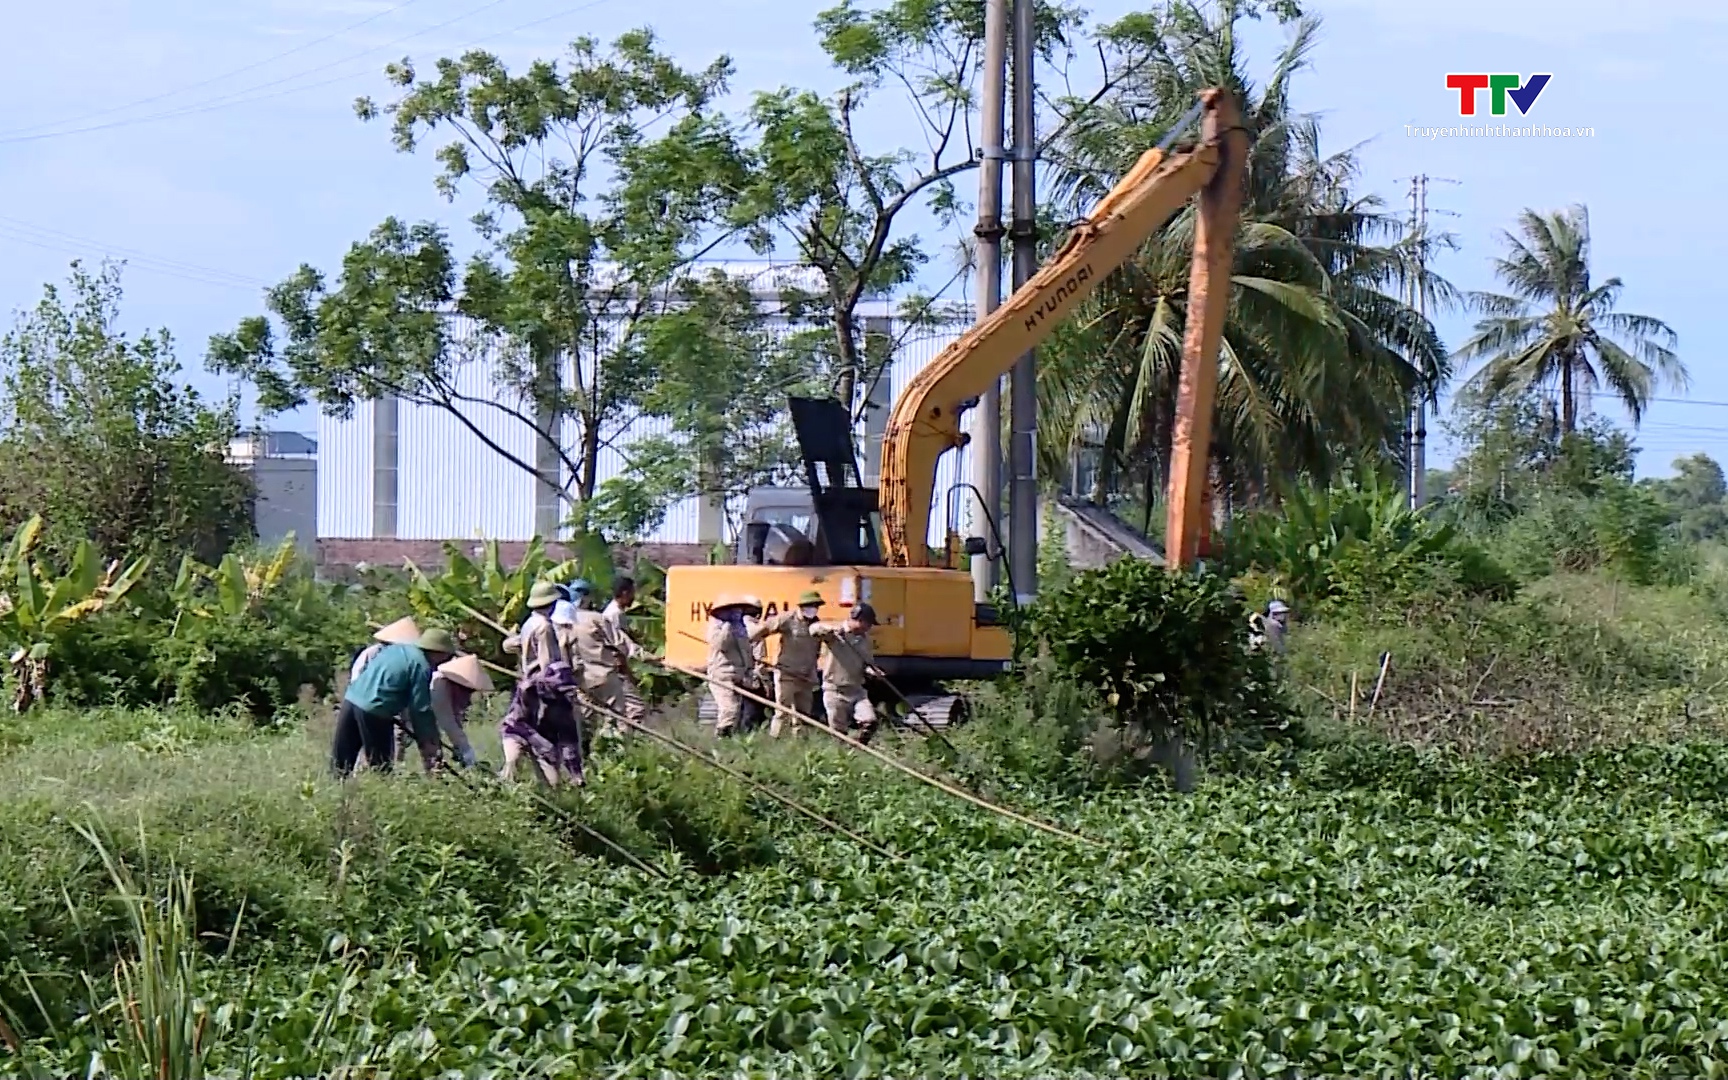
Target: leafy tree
{"points": [[1697, 481], [105, 441], [723, 377], [602, 177], [1318, 356], [1514, 451], [840, 204], [1695, 494], [1555, 328]]}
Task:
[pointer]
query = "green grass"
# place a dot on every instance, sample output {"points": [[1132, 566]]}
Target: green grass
{"points": [[1574, 663]]}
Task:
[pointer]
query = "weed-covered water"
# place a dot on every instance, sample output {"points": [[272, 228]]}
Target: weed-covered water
{"points": [[1371, 913]]}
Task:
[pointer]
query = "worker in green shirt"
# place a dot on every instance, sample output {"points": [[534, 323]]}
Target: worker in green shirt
{"points": [[398, 680]]}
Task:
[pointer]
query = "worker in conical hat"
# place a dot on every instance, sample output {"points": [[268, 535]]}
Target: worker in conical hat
{"points": [[730, 662], [397, 681], [795, 673], [454, 684], [404, 631]]}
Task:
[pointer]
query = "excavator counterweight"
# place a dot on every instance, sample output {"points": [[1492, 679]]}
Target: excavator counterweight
{"points": [[929, 630]]}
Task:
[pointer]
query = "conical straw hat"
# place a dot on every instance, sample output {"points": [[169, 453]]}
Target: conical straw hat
{"points": [[732, 600], [466, 671], [401, 632]]}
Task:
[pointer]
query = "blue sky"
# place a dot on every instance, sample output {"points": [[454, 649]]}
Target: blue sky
{"points": [[133, 135]]}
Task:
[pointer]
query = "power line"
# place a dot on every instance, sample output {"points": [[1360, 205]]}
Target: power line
{"points": [[214, 78], [238, 97], [49, 237], [189, 272]]}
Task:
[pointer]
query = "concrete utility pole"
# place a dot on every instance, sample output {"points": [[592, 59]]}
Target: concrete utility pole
{"points": [[1418, 424], [987, 416], [1023, 406]]}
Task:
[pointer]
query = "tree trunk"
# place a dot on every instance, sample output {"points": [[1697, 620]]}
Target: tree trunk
{"points": [[846, 340], [1568, 406], [590, 459]]}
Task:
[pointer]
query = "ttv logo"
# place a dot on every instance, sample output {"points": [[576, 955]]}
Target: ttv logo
{"points": [[1500, 87]]}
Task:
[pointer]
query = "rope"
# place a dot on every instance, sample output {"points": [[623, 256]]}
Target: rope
{"points": [[958, 793], [561, 812], [741, 777]]}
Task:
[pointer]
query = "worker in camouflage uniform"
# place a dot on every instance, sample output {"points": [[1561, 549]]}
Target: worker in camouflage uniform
{"points": [[795, 673], [536, 644], [623, 599], [848, 661], [601, 657], [729, 660]]}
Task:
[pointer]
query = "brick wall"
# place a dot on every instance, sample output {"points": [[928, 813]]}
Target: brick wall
{"points": [[338, 556]]}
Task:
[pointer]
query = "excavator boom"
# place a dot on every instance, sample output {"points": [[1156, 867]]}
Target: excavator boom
{"points": [[925, 421]]}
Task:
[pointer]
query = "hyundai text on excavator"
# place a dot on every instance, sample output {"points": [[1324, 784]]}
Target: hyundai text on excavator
{"points": [[868, 544]]}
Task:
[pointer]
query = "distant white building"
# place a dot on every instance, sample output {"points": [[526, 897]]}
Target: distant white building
{"points": [[284, 468], [396, 470]]}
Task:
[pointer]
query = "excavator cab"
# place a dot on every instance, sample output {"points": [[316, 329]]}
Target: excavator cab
{"points": [[835, 520]]}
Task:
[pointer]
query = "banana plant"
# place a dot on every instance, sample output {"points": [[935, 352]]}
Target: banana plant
{"points": [[1317, 531], [40, 605], [236, 586], [483, 584]]}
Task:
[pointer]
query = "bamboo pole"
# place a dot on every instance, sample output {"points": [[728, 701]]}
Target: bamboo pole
{"points": [[567, 816], [855, 744], [958, 793], [743, 778], [739, 775], [929, 729]]}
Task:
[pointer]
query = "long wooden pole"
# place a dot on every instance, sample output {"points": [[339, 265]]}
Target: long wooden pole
{"points": [[855, 744], [929, 728], [739, 775], [1209, 287], [958, 793], [592, 833], [743, 778]]}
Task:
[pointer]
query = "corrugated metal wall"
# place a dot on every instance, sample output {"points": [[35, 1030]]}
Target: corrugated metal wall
{"points": [[453, 486], [345, 474]]}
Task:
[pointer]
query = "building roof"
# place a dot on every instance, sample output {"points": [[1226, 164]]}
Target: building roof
{"points": [[272, 444]]}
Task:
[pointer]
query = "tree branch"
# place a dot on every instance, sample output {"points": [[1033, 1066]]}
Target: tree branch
{"points": [[854, 154]]}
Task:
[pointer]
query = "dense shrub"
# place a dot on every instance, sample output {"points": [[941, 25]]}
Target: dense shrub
{"points": [[1620, 528], [1360, 546], [254, 645], [1167, 653]]}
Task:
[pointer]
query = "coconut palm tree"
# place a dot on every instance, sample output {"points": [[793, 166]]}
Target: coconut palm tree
{"points": [[1318, 357], [1555, 329]]}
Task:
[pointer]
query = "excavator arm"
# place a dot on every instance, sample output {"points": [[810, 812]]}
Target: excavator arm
{"points": [[925, 421]]}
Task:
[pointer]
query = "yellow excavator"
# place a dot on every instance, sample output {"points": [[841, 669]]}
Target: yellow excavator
{"points": [[867, 545]]}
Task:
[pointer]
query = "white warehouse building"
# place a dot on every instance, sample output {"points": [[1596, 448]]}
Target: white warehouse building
{"points": [[402, 471]]}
